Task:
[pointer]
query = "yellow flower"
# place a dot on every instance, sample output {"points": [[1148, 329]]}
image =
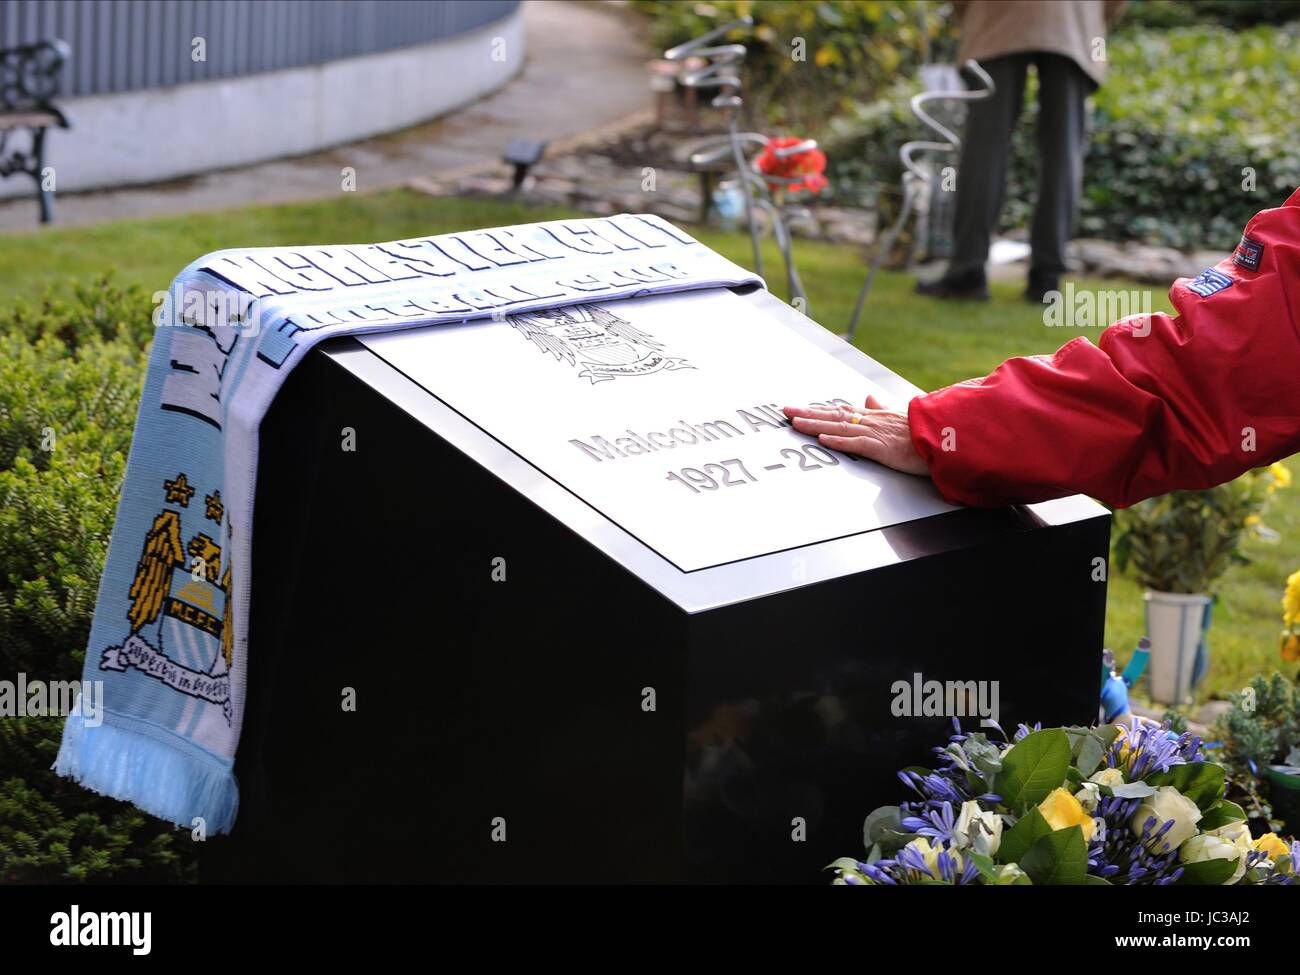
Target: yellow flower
{"points": [[826, 56], [1271, 846], [1291, 599], [1125, 746], [1281, 476], [930, 854], [1252, 520], [1062, 810]]}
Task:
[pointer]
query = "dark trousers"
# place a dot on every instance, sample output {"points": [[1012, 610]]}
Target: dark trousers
{"points": [[982, 172]]}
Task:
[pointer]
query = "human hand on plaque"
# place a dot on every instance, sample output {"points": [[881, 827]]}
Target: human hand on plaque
{"points": [[875, 432]]}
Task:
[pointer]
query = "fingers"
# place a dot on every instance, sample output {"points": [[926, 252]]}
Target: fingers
{"points": [[873, 405], [863, 445], [875, 432], [837, 427], [816, 412]]}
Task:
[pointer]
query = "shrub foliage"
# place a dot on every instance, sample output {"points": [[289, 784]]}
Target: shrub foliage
{"points": [[806, 61], [70, 376]]}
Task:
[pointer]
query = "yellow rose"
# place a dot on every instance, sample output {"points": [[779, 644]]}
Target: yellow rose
{"points": [[1109, 777], [1271, 846], [1281, 475], [1062, 810]]}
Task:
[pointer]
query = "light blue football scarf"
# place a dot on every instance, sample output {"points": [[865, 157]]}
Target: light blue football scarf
{"points": [[169, 638]]}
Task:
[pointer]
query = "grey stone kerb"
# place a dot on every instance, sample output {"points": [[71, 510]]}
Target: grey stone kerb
{"points": [[165, 96]]}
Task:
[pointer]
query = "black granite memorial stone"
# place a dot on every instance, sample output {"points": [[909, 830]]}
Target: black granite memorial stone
{"points": [[546, 687]]}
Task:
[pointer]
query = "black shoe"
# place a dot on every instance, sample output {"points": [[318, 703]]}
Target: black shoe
{"points": [[1040, 286], [966, 288]]}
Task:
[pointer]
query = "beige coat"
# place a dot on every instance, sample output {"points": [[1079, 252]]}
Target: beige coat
{"points": [[1073, 28]]}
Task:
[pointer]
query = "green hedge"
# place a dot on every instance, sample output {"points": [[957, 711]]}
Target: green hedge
{"points": [[1182, 117], [70, 376]]}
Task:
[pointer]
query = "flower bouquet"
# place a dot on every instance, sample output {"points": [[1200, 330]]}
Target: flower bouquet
{"points": [[792, 164], [1115, 804]]}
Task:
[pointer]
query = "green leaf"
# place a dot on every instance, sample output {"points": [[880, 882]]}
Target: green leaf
{"points": [[878, 822], [1107, 734], [1033, 767], [1019, 838], [1087, 748], [1089, 756], [986, 756], [984, 864], [1208, 872], [1202, 782], [1221, 813], [1059, 858], [1094, 880]]}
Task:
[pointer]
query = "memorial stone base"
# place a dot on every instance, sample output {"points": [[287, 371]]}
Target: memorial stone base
{"points": [[538, 646]]}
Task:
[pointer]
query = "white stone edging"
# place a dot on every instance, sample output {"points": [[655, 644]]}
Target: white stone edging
{"points": [[149, 135]]}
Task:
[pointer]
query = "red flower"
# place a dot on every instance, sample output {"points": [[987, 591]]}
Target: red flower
{"points": [[809, 164]]}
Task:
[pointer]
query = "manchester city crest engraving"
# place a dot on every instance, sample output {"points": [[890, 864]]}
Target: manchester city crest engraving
{"points": [[597, 342]]}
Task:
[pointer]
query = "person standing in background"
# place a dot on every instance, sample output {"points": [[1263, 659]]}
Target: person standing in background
{"points": [[1065, 41]]}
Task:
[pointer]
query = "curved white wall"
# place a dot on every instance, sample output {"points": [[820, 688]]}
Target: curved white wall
{"points": [[163, 133]]}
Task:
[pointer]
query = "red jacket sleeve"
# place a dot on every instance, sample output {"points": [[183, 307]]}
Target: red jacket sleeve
{"points": [[1159, 404]]}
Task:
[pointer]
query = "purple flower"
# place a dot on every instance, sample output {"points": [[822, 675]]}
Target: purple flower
{"points": [[1145, 749], [937, 825], [1024, 730], [1119, 856]]}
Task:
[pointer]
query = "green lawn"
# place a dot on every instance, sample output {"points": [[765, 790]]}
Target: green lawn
{"points": [[931, 344]]}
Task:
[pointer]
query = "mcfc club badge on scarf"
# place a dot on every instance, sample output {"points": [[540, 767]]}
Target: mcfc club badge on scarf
{"points": [[180, 630]]}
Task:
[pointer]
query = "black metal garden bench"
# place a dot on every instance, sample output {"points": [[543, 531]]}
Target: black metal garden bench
{"points": [[29, 80]]}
